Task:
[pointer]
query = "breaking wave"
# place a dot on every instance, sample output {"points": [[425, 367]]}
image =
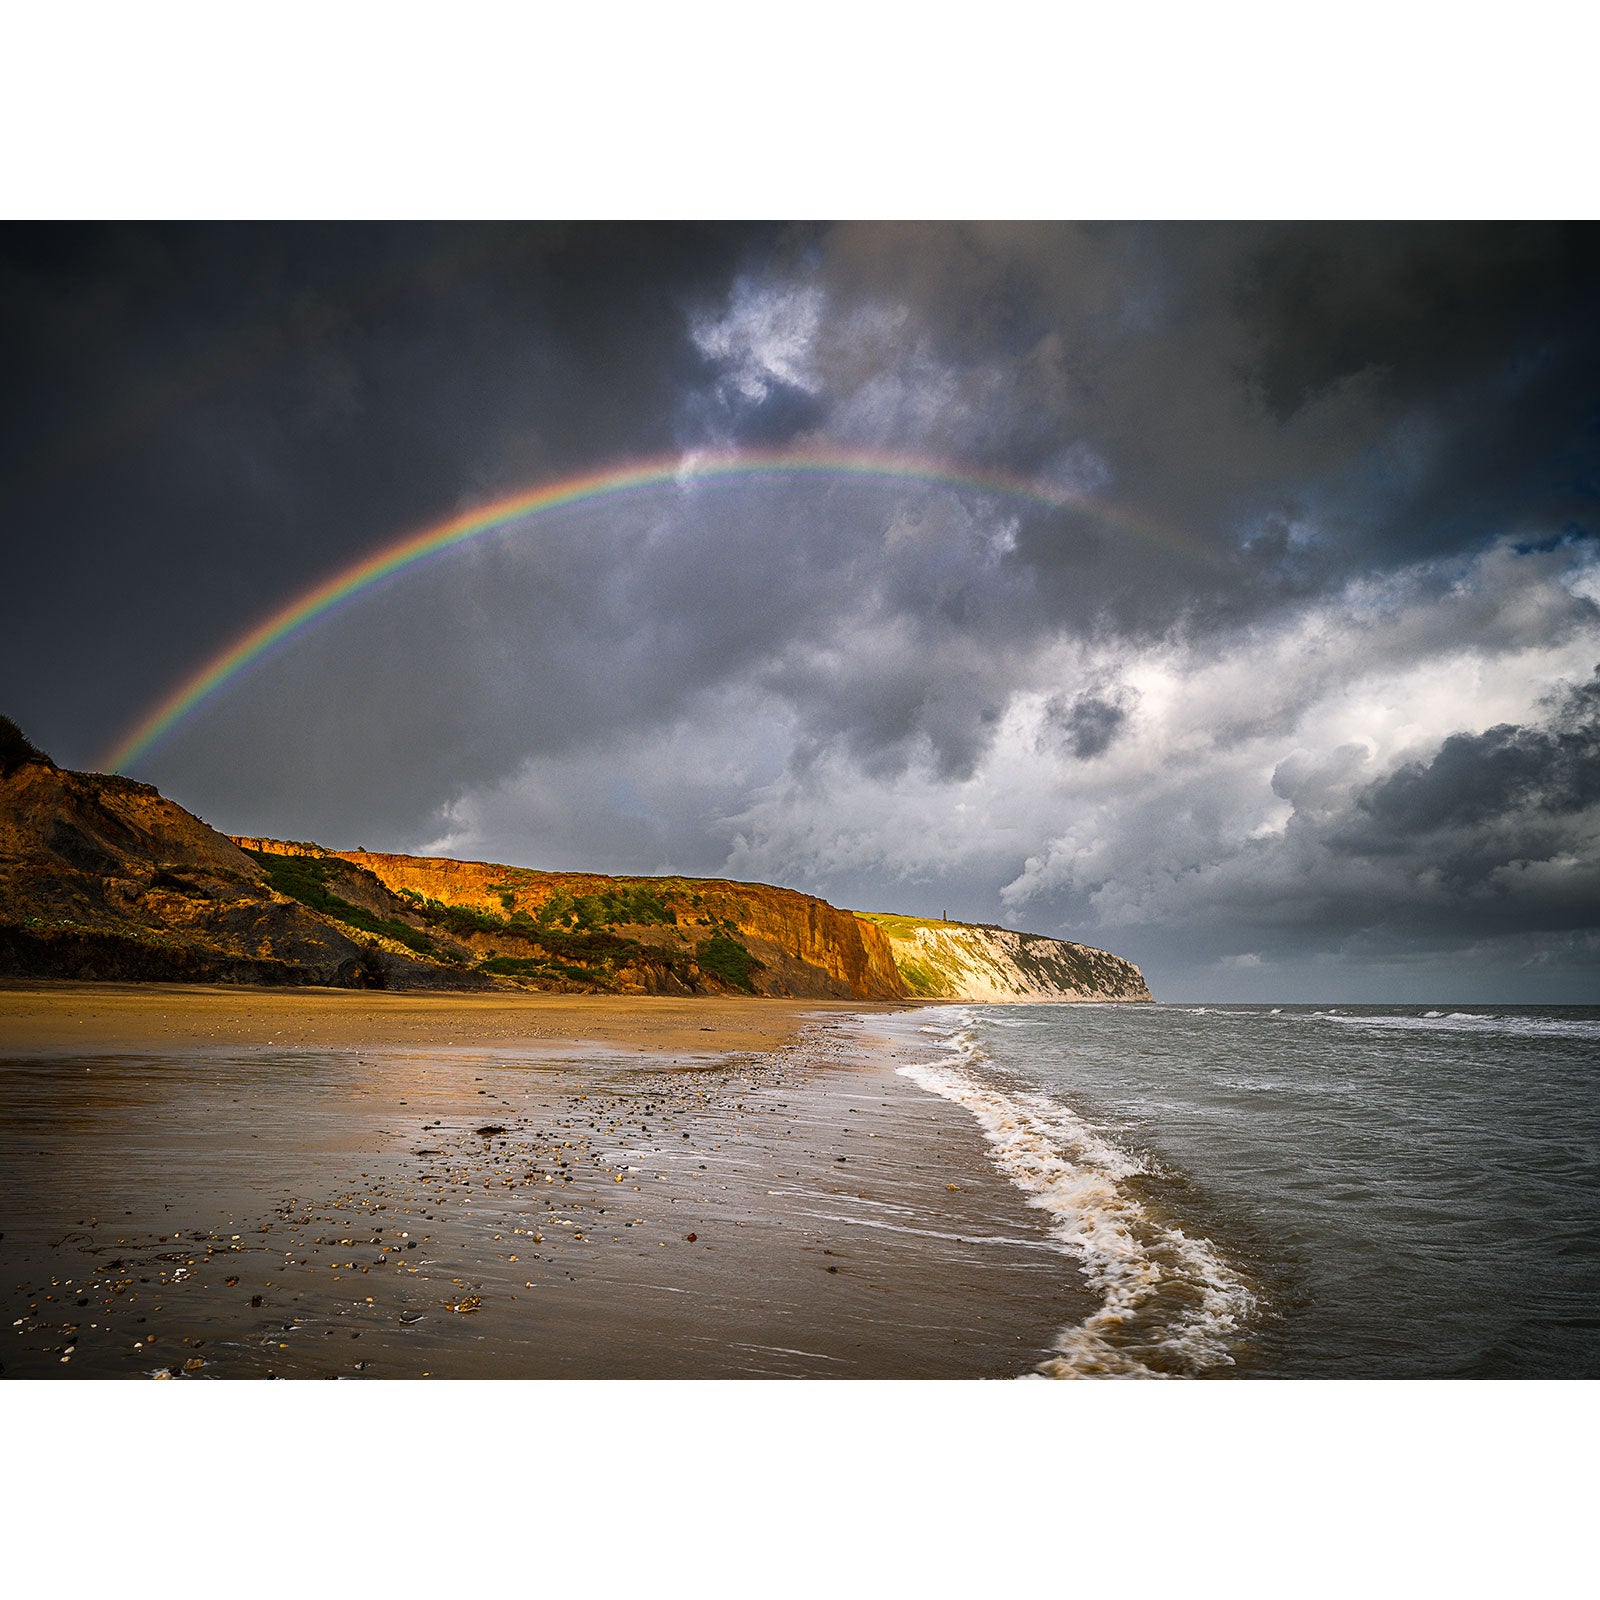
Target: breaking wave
{"points": [[1525, 1027], [1170, 1304]]}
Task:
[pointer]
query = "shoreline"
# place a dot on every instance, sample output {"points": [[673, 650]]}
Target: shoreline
{"points": [[688, 1189]]}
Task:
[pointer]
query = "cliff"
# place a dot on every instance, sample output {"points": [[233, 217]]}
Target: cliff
{"points": [[101, 877], [653, 935], [799, 945], [956, 961]]}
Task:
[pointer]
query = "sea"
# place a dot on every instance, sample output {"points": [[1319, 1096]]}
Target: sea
{"points": [[1298, 1191]]}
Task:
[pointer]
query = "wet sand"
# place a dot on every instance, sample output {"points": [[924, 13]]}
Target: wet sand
{"points": [[123, 1016], [224, 1183]]}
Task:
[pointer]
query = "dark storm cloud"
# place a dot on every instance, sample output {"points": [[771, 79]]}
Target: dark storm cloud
{"points": [[1085, 725], [241, 409], [1480, 779], [200, 421], [1494, 834], [1300, 401]]}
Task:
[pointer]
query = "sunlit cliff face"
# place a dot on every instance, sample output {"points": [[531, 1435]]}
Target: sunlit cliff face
{"points": [[802, 945]]}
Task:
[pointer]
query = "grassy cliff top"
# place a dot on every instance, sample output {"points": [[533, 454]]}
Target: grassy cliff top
{"points": [[893, 923]]}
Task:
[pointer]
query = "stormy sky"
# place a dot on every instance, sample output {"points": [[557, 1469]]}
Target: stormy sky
{"points": [[1300, 698]]}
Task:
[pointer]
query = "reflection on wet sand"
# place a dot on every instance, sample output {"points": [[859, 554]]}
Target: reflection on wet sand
{"points": [[500, 1212]]}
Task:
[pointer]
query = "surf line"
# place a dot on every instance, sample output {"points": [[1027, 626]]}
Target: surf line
{"points": [[682, 471]]}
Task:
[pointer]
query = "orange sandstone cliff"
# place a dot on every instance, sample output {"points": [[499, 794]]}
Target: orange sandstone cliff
{"points": [[799, 945], [101, 877]]}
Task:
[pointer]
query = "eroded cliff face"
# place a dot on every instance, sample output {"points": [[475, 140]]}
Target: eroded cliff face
{"points": [[102, 877], [954, 961], [800, 945]]}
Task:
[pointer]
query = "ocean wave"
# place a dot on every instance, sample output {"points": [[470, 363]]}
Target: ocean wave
{"points": [[1170, 1304], [1470, 1022]]}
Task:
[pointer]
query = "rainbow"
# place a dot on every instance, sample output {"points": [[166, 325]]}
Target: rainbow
{"points": [[345, 585]]}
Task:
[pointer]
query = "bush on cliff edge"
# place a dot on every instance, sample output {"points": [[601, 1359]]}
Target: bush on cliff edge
{"points": [[17, 750]]}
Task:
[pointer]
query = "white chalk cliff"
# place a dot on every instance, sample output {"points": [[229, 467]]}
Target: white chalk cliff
{"points": [[956, 961]]}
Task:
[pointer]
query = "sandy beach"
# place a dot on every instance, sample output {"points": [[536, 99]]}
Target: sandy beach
{"points": [[211, 1183], [126, 1016]]}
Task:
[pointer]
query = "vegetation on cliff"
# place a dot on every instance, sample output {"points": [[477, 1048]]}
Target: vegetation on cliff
{"points": [[724, 957], [306, 879], [660, 935], [603, 939], [17, 750], [100, 877]]}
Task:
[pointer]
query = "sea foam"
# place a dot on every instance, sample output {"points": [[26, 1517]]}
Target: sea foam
{"points": [[1170, 1304]]}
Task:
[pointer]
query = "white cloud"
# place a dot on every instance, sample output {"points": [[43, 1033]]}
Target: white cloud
{"points": [[1304, 711], [765, 336]]}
